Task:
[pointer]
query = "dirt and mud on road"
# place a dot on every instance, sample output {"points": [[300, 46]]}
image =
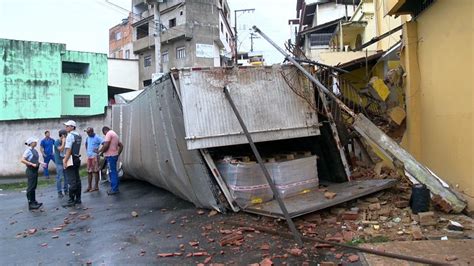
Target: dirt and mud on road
{"points": [[147, 225]]}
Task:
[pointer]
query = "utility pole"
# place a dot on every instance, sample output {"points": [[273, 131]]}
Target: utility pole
{"points": [[252, 37], [235, 29], [157, 35]]}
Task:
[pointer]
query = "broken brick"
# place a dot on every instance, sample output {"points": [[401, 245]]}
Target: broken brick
{"points": [[401, 204], [374, 206], [265, 247], [165, 255], [207, 260], [350, 215], [451, 258], [231, 239], [339, 256], [327, 263], [199, 254], [353, 258], [194, 243], [441, 204], [348, 236], [329, 195], [427, 218], [296, 252], [266, 262]]}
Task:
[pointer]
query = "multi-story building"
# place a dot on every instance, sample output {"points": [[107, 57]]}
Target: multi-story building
{"points": [[44, 80], [193, 34], [121, 41], [317, 23]]}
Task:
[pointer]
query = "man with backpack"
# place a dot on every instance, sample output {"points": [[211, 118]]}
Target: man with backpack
{"points": [[72, 162]]}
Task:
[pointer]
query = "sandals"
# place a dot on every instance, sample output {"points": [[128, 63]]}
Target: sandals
{"points": [[88, 190], [94, 189]]}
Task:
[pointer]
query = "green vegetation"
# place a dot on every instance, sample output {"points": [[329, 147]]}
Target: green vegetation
{"points": [[375, 239], [23, 184], [42, 182]]}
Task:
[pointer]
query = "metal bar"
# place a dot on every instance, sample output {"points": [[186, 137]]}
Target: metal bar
{"points": [[321, 64], [212, 166], [378, 38], [253, 132], [361, 249], [292, 226], [306, 73]]}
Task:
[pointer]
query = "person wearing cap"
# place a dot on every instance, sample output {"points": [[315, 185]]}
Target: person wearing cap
{"points": [[72, 162], [111, 149], [59, 145], [93, 142], [30, 158], [46, 147]]}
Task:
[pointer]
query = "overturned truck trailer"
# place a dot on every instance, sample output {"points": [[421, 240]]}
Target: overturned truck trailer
{"points": [[182, 135]]}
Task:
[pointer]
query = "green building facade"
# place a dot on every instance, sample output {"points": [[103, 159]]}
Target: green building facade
{"points": [[44, 80]]}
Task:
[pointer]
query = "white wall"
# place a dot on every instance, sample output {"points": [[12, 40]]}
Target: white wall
{"points": [[13, 135], [331, 11], [222, 35], [123, 73]]}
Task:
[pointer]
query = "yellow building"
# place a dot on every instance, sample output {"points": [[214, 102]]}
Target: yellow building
{"points": [[437, 56]]}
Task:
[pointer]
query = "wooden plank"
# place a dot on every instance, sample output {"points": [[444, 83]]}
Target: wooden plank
{"points": [[315, 200], [421, 173]]}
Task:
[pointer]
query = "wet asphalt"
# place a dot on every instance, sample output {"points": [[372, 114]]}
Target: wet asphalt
{"points": [[103, 231]]}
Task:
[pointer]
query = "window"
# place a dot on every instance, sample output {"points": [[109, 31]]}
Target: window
{"points": [[320, 39], [222, 27], [181, 12], [180, 52], [142, 31], [75, 67], [172, 23], [147, 82], [118, 35], [127, 54], [227, 37], [82, 101], [164, 57], [147, 61]]}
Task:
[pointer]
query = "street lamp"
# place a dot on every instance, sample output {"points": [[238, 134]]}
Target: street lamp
{"points": [[235, 29]]}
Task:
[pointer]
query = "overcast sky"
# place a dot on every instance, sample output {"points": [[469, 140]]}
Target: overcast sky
{"points": [[83, 25]]}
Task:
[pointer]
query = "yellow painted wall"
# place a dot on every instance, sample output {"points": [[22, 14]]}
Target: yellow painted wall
{"points": [[440, 108], [385, 23]]}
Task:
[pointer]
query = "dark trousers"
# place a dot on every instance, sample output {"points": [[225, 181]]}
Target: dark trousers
{"points": [[74, 180], [32, 175]]}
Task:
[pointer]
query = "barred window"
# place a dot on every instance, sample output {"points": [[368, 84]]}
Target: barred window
{"points": [[164, 57], [82, 101], [147, 61], [180, 52]]}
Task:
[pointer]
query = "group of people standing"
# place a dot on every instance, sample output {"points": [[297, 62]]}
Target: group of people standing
{"points": [[65, 153]]}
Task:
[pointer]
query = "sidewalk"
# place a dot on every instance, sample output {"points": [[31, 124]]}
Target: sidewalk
{"points": [[12, 180]]}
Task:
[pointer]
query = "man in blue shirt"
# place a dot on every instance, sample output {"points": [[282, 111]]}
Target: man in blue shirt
{"points": [[59, 145], [47, 150], [93, 142]]}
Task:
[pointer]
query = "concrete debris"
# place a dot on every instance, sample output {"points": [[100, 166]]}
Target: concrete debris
{"points": [[455, 226], [330, 195]]}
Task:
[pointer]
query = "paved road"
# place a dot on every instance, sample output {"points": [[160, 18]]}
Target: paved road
{"points": [[103, 231]]}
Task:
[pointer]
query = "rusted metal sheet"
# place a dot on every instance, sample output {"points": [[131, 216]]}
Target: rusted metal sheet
{"points": [[315, 200], [269, 107]]}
